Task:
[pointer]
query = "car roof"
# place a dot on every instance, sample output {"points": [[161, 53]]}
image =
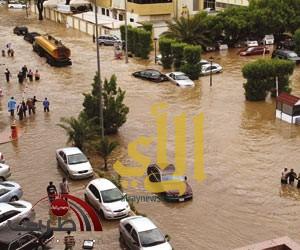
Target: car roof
{"points": [[102, 184], [177, 73], [11, 184], [70, 150], [140, 223], [4, 207]]}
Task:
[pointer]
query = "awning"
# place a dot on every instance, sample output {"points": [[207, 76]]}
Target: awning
{"points": [[288, 99]]}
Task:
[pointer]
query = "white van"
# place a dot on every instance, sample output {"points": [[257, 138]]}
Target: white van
{"points": [[268, 40]]}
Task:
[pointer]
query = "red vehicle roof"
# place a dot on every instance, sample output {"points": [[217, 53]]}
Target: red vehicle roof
{"points": [[288, 99]]}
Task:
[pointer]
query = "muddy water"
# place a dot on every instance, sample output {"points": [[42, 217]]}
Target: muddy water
{"points": [[245, 147]]}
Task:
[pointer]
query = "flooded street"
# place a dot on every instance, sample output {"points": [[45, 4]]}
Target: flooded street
{"points": [[245, 148]]}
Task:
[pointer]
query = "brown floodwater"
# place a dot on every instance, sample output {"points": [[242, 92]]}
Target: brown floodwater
{"points": [[245, 148]]}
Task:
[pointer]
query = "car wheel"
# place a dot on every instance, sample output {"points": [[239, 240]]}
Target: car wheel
{"points": [[2, 178], [102, 214], [14, 198], [23, 221]]}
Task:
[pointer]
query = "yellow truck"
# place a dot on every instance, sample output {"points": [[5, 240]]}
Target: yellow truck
{"points": [[55, 52]]}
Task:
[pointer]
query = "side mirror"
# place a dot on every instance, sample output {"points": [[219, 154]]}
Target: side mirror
{"points": [[167, 237]]}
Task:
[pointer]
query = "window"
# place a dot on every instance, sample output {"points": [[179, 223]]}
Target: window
{"points": [[94, 191], [195, 5], [3, 191], [287, 109], [107, 12], [209, 4], [121, 18], [128, 228], [103, 11], [149, 1], [135, 236], [8, 215], [131, 20]]}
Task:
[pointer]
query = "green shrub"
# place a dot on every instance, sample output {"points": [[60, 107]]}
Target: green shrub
{"points": [[192, 70], [297, 41], [131, 41], [177, 52], [192, 56], [148, 27], [166, 52], [144, 43]]}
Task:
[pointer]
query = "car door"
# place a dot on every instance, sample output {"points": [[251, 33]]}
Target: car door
{"points": [[94, 196], [172, 77], [134, 240], [9, 215], [214, 69], [126, 233]]}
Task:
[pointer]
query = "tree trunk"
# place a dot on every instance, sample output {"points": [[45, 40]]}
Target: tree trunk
{"points": [[40, 8], [105, 164]]}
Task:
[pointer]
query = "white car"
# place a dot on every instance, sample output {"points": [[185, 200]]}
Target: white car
{"points": [[4, 172], [180, 79], [10, 191], [2, 160], [16, 5], [74, 163], [251, 43], [16, 212], [211, 68], [158, 59], [139, 233], [2, 2], [268, 40], [106, 198]]}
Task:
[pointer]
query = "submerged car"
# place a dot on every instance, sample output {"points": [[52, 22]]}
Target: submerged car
{"points": [[16, 212], [259, 50], [159, 175], [106, 198], [151, 75], [16, 5], [180, 79], [4, 172], [29, 235], [251, 43], [20, 30], [268, 40], [140, 233], [109, 40], [29, 37], [10, 191], [74, 163], [286, 55], [213, 68]]}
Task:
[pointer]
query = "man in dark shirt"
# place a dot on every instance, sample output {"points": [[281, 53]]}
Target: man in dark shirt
{"points": [[291, 176], [51, 191]]}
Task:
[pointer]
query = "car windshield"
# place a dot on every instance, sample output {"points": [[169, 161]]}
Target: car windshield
{"points": [[292, 54], [172, 177], [76, 159], [3, 191], [16, 205], [151, 237], [182, 77], [6, 184], [111, 195]]}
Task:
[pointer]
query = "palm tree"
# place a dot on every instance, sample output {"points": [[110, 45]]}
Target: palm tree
{"points": [[105, 148], [191, 29], [78, 130]]}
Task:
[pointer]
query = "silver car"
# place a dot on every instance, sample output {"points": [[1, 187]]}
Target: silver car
{"points": [[74, 163], [4, 172], [108, 40], [2, 160], [10, 191]]}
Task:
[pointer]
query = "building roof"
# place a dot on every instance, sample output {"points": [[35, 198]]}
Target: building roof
{"points": [[288, 99]]}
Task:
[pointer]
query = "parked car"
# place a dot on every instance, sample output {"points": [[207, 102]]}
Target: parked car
{"points": [[26, 238], [140, 233], [20, 30], [106, 198], [251, 43], [4, 172], [180, 79], [203, 62], [29, 37], [268, 40], [158, 59], [74, 163], [159, 175], [16, 5], [17, 212], [10, 191], [288, 44], [150, 74], [286, 55], [259, 50], [2, 2], [2, 160], [108, 40], [213, 68]]}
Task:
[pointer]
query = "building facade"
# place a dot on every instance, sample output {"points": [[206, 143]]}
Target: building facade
{"points": [[221, 4]]}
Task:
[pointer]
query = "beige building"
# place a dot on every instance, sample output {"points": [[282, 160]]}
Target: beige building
{"points": [[221, 4]]}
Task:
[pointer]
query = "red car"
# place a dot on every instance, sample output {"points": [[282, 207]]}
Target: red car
{"points": [[258, 50]]}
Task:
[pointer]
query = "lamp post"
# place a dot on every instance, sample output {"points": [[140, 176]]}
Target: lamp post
{"points": [[98, 73], [126, 34], [155, 41], [210, 75]]}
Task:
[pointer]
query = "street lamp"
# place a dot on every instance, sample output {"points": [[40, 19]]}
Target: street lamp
{"points": [[98, 73], [126, 34], [210, 75], [155, 41]]}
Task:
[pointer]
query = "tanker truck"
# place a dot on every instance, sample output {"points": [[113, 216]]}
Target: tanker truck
{"points": [[55, 52]]}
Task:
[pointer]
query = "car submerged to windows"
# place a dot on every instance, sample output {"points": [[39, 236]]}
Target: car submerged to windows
{"points": [[4, 172], [213, 68], [286, 55], [151, 75], [180, 79], [74, 163], [140, 233], [10, 191], [259, 50], [106, 198]]}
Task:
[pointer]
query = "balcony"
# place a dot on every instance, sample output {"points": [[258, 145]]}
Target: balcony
{"points": [[150, 7]]}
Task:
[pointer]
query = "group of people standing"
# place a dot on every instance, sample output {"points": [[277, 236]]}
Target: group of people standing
{"points": [[10, 51], [289, 177], [22, 107], [23, 75], [52, 191]]}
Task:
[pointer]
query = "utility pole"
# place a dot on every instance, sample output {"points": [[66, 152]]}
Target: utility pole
{"points": [[126, 34], [98, 72], [210, 75], [276, 86]]}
